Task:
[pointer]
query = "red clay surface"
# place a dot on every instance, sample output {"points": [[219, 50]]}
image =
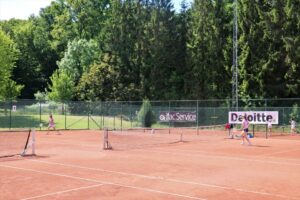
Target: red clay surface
{"points": [[73, 166]]}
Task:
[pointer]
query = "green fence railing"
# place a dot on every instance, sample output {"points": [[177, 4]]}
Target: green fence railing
{"points": [[16, 114]]}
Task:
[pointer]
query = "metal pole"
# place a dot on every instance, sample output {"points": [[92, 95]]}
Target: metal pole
{"points": [[65, 110], [197, 117], [40, 115], [235, 59], [121, 117], [10, 117], [169, 120], [88, 121], [130, 113]]}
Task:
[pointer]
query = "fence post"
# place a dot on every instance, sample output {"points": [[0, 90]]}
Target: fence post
{"points": [[214, 116], [267, 122], [114, 120], [169, 119], [121, 116], [197, 117], [130, 113], [88, 121], [40, 115], [65, 110], [10, 114], [102, 117], [101, 120]]}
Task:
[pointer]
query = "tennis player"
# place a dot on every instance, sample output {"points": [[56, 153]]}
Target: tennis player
{"points": [[293, 126], [245, 129], [269, 127], [229, 127], [51, 123]]}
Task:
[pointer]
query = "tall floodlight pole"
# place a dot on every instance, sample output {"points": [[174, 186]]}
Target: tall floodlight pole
{"points": [[235, 98]]}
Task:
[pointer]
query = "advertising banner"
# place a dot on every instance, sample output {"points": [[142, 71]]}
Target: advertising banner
{"points": [[254, 117], [178, 117]]}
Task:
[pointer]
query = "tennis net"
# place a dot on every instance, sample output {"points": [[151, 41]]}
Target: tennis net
{"points": [[139, 138], [17, 142]]}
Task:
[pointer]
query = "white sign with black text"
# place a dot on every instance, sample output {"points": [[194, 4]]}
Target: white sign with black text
{"points": [[254, 117]]}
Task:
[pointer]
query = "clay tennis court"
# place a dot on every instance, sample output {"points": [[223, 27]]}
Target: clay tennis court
{"points": [[73, 166]]}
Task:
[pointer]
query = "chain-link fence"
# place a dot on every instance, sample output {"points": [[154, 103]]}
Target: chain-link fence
{"points": [[124, 115]]}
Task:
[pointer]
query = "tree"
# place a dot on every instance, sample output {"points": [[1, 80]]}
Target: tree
{"points": [[268, 43], [177, 77], [11, 90], [205, 59], [41, 96], [88, 16], [291, 41], [56, 26], [62, 88], [121, 38], [159, 50], [28, 68], [8, 55], [99, 83], [78, 58], [37, 60], [146, 116]]}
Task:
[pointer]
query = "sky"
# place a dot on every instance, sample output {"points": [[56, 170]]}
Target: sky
{"points": [[22, 9]]}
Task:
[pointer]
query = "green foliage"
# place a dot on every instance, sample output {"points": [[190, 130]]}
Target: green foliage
{"points": [[40, 96], [78, 58], [7, 57], [9, 89], [145, 115], [208, 73], [36, 60], [100, 83], [131, 50], [28, 69], [291, 42], [268, 40], [295, 112], [62, 88]]}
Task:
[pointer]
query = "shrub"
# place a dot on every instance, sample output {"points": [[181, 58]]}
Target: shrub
{"points": [[146, 116]]}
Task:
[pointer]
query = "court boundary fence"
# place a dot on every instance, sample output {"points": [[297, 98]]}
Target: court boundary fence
{"points": [[72, 115]]}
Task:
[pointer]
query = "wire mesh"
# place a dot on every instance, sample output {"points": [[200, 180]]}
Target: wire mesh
{"points": [[131, 114]]}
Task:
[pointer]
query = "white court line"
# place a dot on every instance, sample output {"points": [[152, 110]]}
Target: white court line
{"points": [[169, 180], [105, 182], [224, 157], [61, 192]]}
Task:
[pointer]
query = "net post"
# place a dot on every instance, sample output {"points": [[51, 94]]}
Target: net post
{"points": [[152, 131], [106, 144], [30, 143], [33, 142], [267, 131], [105, 137]]}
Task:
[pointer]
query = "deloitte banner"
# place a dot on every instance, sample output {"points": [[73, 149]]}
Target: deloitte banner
{"points": [[254, 117], [178, 117]]}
